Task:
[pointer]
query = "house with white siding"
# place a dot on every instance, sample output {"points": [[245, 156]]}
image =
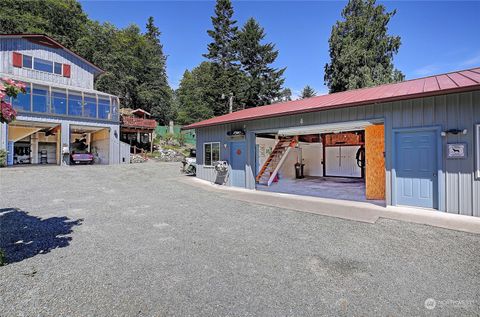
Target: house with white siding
{"points": [[61, 117]]}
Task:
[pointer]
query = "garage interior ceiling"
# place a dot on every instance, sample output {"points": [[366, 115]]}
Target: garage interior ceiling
{"points": [[328, 128], [84, 129]]}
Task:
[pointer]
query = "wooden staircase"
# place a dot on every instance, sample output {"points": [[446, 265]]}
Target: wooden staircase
{"points": [[274, 162]]}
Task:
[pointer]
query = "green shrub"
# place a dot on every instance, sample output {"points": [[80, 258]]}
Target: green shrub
{"points": [[3, 158], [180, 137], [2, 258]]}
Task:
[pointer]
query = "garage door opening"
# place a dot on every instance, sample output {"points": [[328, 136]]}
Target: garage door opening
{"points": [[340, 163], [31, 143], [89, 145]]}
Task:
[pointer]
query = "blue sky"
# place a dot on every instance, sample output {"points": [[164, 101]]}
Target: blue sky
{"points": [[437, 36]]}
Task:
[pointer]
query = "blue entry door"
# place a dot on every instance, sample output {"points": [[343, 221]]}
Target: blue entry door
{"points": [[238, 160], [416, 168]]}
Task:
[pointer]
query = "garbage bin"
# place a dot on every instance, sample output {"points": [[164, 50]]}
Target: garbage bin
{"points": [[299, 170]]}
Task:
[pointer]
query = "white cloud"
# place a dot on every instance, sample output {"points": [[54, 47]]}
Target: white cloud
{"points": [[427, 70], [474, 61]]}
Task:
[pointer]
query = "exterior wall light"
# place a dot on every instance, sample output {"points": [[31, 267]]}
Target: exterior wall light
{"points": [[454, 131]]}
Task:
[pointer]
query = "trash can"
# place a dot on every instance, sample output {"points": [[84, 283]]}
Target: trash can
{"points": [[299, 170]]}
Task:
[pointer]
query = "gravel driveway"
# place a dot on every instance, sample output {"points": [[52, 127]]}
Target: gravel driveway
{"points": [[133, 240]]}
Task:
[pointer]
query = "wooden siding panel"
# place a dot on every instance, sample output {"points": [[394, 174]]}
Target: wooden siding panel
{"points": [[375, 162]]}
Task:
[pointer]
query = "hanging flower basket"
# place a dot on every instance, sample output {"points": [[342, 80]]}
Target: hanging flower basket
{"points": [[9, 88]]}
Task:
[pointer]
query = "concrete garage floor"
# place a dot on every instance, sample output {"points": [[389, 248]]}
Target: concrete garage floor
{"points": [[136, 240], [325, 187]]}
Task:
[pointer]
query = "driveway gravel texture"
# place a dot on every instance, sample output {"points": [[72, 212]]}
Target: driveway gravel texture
{"points": [[137, 240]]}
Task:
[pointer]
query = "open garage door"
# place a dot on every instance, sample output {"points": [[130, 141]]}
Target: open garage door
{"points": [[89, 145], [33, 143]]}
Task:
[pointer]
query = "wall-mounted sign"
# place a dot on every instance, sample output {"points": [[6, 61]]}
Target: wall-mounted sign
{"points": [[456, 150], [236, 133]]}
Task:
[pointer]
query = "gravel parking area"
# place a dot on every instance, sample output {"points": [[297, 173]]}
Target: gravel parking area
{"points": [[133, 240]]}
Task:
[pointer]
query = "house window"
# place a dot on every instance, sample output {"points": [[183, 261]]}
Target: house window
{"points": [[57, 68], [477, 139], [43, 65], [211, 153], [59, 102], [90, 107], [22, 102], [40, 99], [103, 108], [74, 105], [27, 61]]}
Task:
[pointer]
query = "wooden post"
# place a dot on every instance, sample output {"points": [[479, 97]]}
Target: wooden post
{"points": [[151, 142]]}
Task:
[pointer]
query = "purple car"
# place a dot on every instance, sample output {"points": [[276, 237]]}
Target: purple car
{"points": [[81, 158]]}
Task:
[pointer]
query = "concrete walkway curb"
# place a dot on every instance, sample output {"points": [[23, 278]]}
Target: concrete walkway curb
{"points": [[350, 210]]}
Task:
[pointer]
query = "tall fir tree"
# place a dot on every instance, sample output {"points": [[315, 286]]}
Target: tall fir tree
{"points": [[155, 93], [223, 56], [361, 50], [221, 50], [264, 83], [308, 92]]}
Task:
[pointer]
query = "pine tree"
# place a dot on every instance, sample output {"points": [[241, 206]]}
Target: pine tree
{"points": [[222, 51], [308, 92], [264, 83], [154, 93], [361, 50], [222, 54]]}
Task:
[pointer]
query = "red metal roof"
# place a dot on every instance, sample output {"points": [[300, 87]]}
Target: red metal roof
{"points": [[43, 39], [464, 80]]}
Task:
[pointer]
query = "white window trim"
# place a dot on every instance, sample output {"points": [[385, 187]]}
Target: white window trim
{"points": [[477, 151], [211, 153]]}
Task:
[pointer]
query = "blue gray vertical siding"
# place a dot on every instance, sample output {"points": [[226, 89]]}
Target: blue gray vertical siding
{"points": [[81, 76], [453, 111]]}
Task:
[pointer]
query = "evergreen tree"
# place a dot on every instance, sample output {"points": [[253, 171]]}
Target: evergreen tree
{"points": [[308, 92], [222, 51], [223, 56], [154, 92], [285, 95], [264, 83], [361, 50], [196, 93]]}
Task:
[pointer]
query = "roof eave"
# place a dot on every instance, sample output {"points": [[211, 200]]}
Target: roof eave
{"points": [[346, 105]]}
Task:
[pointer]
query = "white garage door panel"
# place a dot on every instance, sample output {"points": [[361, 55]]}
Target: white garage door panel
{"points": [[341, 161]]}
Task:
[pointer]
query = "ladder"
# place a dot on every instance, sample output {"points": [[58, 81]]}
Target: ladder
{"points": [[275, 160]]}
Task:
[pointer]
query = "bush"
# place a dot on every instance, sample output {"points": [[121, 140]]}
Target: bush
{"points": [[180, 139], [2, 258], [3, 158]]}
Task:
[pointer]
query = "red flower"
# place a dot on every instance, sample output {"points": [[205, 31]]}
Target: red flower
{"points": [[8, 114]]}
